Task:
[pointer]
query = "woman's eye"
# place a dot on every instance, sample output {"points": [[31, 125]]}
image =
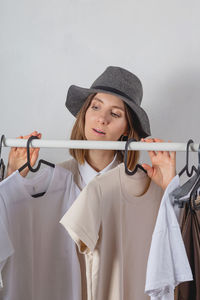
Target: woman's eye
{"points": [[115, 115], [94, 107]]}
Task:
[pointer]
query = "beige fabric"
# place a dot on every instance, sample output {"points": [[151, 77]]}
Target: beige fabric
{"points": [[80, 179], [112, 222], [72, 166]]}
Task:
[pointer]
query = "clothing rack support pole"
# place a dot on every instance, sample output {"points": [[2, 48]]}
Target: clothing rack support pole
{"points": [[107, 145]]}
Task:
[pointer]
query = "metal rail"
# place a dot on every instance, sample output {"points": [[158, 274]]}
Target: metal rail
{"points": [[106, 145]]}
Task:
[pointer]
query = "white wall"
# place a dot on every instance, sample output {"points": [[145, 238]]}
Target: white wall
{"points": [[45, 46]]}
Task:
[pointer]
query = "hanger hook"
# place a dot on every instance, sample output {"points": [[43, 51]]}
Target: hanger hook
{"points": [[199, 158], [28, 154], [126, 156], [1, 143], [2, 165], [189, 173]]}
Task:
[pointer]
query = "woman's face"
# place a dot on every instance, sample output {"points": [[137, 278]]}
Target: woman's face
{"points": [[105, 118]]}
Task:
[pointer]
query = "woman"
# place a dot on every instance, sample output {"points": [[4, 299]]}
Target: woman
{"points": [[109, 110]]}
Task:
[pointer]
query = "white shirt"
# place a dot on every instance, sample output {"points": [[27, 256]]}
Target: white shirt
{"points": [[6, 248], [167, 262], [87, 173], [44, 255]]}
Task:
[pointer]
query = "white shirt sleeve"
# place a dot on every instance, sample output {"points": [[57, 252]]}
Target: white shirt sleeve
{"points": [[167, 262], [6, 249]]}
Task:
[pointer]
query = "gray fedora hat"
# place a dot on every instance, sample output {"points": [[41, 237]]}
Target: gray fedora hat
{"points": [[116, 81]]}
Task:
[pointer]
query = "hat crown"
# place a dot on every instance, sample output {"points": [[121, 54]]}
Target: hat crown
{"points": [[122, 82]]}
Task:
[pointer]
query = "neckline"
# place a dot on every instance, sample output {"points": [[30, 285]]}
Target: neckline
{"points": [[88, 173], [139, 175], [47, 171]]}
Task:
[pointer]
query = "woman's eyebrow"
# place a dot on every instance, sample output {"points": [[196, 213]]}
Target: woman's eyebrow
{"points": [[114, 106], [95, 98], [119, 107]]}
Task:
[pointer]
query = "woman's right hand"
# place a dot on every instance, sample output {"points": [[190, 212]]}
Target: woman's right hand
{"points": [[18, 156]]}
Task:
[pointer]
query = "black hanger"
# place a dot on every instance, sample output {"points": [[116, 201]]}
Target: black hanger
{"points": [[194, 192], [126, 156], [182, 194], [27, 164], [186, 168], [2, 165], [194, 195]]}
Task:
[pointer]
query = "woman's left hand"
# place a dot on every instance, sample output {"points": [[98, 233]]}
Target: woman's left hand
{"points": [[163, 167]]}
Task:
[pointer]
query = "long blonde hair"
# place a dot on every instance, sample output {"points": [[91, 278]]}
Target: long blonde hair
{"points": [[78, 133]]}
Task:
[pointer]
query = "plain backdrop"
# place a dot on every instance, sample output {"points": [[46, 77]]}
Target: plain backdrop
{"points": [[45, 46]]}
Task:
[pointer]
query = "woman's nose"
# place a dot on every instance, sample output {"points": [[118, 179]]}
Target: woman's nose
{"points": [[103, 119]]}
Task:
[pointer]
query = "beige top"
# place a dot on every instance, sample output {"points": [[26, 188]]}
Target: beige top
{"points": [[112, 222]]}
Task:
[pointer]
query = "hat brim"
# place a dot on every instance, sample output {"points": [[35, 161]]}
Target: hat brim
{"points": [[76, 97]]}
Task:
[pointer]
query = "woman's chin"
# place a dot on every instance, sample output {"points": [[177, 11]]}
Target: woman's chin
{"points": [[96, 138]]}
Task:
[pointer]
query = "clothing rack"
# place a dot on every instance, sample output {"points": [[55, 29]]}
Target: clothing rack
{"points": [[106, 145]]}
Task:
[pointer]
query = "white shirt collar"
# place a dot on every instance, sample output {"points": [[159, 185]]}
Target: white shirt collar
{"points": [[87, 173]]}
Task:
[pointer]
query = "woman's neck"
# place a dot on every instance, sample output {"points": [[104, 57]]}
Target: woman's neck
{"points": [[99, 159]]}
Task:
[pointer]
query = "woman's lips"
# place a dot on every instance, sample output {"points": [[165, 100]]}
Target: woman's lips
{"points": [[98, 131]]}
